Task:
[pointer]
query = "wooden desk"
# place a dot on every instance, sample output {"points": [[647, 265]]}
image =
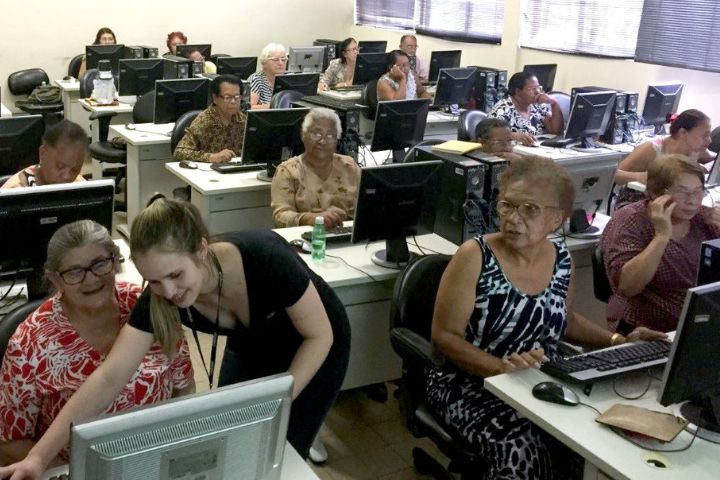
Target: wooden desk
{"points": [[73, 111]]}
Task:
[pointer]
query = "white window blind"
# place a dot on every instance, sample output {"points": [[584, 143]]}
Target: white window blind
{"points": [[680, 35], [595, 27], [385, 13], [461, 20]]}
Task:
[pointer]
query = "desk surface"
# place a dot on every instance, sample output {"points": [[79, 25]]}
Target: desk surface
{"points": [[68, 85], [4, 111], [209, 182], [556, 154], [144, 133]]}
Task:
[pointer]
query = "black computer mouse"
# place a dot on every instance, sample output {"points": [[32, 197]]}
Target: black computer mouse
{"points": [[555, 393], [300, 245]]}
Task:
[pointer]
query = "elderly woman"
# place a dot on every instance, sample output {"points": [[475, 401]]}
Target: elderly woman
{"points": [[60, 344], [173, 40], [652, 247], [341, 70], [319, 182], [526, 109], [104, 36], [504, 301], [689, 135], [197, 57], [400, 82], [273, 59], [496, 138]]}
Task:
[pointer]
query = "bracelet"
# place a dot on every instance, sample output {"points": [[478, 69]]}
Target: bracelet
{"points": [[614, 338]]}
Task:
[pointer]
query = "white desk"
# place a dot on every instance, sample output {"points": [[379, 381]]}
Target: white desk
{"points": [[603, 449], [4, 111], [72, 109], [123, 111], [347, 95]]}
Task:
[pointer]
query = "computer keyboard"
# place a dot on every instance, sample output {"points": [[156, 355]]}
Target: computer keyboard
{"points": [[233, 167], [601, 364], [337, 234], [326, 101], [558, 142], [349, 88]]}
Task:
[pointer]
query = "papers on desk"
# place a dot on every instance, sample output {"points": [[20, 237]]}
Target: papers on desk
{"points": [[456, 146]]}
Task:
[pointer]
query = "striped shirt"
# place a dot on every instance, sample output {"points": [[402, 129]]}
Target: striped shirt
{"points": [[259, 85]]}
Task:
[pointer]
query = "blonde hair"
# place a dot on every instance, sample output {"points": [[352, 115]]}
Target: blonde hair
{"points": [[173, 227], [665, 169], [269, 49]]}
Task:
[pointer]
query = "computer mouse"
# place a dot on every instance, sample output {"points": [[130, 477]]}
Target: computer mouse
{"points": [[300, 245], [555, 393]]}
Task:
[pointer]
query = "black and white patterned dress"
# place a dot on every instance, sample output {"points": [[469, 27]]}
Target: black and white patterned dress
{"points": [[504, 321], [534, 124], [260, 85]]}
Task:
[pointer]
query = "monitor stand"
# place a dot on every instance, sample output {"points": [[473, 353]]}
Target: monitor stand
{"points": [[704, 413], [398, 155], [587, 145], [264, 176], [395, 255]]}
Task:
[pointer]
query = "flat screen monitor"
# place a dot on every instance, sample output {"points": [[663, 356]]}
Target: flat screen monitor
{"points": [[20, 139], [713, 178], [455, 86], [306, 59], [661, 100], [443, 59], [234, 432], [204, 48], [691, 374], [273, 136], [305, 83], [394, 202], [399, 124], [29, 216], [372, 46], [175, 97], [369, 67], [138, 76], [545, 74], [590, 113], [241, 67], [95, 53]]}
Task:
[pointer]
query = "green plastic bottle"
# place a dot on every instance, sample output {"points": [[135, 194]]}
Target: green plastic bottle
{"points": [[318, 240]]}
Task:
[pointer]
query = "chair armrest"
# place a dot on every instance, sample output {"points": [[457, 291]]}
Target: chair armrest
{"points": [[101, 115], [414, 347]]}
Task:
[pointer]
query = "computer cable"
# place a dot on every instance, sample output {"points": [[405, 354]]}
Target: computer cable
{"points": [[423, 249], [4, 295], [354, 268], [634, 397]]}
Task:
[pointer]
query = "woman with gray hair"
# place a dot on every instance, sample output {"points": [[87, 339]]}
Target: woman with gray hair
{"points": [[60, 344], [319, 182], [273, 59]]}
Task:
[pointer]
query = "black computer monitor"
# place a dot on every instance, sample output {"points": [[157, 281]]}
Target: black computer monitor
{"points": [[393, 202], [443, 59], [372, 46], [455, 86], [305, 83], [138, 76], [590, 113], [661, 100], [306, 59], [95, 53], [369, 67], [545, 74], [20, 139], [273, 136], [241, 67], [691, 373], [399, 124], [175, 97], [29, 216], [204, 48]]}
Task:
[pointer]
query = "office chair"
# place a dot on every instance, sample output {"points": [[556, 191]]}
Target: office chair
{"points": [[368, 97], [468, 122], [715, 140], [10, 322], [563, 100], [87, 82], [183, 193], [23, 82], [412, 152], [74, 65], [411, 314], [601, 283], [285, 98]]}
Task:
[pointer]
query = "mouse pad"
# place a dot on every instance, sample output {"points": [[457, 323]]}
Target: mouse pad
{"points": [[659, 425]]}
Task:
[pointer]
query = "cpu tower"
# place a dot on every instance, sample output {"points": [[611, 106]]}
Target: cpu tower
{"points": [[625, 103], [709, 271], [331, 50], [491, 86]]}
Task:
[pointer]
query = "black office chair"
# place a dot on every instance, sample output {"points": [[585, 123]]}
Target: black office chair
{"points": [[411, 314], [74, 65], [369, 98], [87, 84], [601, 284], [24, 82], [144, 108], [10, 322], [563, 100], [285, 98], [182, 193], [468, 122], [715, 140], [412, 153]]}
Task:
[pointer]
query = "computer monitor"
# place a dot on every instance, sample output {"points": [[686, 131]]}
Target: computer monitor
{"points": [[590, 113], [443, 59], [306, 59], [369, 67], [713, 178], [305, 83], [455, 86], [95, 53], [204, 49], [394, 202], [29, 216], [372, 46], [175, 97], [233, 432], [691, 374], [661, 100], [399, 124], [241, 67], [545, 74], [273, 136], [138, 76], [20, 139]]}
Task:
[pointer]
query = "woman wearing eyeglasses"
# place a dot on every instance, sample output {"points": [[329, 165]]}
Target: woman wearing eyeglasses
{"points": [[319, 182], [273, 59], [651, 248], [62, 342], [341, 70], [504, 302], [496, 138]]}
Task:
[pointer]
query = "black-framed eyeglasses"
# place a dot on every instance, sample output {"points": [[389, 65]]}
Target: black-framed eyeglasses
{"points": [[527, 210], [99, 268]]}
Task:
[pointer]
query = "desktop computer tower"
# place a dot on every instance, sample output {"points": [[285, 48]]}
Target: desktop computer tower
{"points": [[491, 86], [709, 270], [625, 103], [177, 67], [150, 52], [245, 105], [331, 49], [133, 51], [349, 143]]}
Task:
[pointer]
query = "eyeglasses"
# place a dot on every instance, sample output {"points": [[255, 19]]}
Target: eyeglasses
{"points": [[502, 143], [99, 268], [278, 59], [685, 193], [329, 137], [230, 98], [527, 211], [354, 49], [535, 89]]}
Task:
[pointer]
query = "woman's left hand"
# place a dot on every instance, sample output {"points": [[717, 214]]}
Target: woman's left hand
{"points": [[642, 333], [712, 216]]}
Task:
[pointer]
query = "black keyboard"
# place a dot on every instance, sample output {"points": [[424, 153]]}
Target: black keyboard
{"points": [[232, 167], [558, 142], [348, 88], [609, 362], [337, 234], [330, 102]]}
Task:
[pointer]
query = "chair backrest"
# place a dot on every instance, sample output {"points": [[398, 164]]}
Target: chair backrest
{"points": [[410, 155], [23, 82], [563, 100], [601, 284], [715, 140], [87, 82], [144, 108], [467, 123], [285, 98], [74, 65], [180, 125], [10, 322], [369, 98]]}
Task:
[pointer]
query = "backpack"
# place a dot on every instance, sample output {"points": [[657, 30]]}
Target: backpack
{"points": [[46, 94]]}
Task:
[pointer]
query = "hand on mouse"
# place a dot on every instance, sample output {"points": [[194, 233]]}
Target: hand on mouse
{"points": [[524, 138], [523, 360], [222, 156]]}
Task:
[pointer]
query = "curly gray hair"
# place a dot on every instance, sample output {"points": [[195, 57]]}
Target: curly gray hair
{"points": [[321, 113]]}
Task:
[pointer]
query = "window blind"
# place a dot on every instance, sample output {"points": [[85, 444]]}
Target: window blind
{"points": [[461, 20], [385, 13]]}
